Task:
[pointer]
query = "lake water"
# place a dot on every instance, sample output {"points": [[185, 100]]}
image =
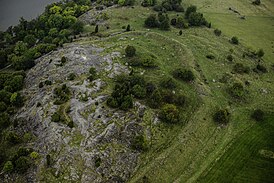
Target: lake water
{"points": [[12, 10]]}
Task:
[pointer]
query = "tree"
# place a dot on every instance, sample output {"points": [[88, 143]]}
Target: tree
{"points": [[30, 40], [183, 74], [164, 24], [4, 120], [77, 27], [258, 115], [22, 164], [217, 32], [128, 28], [180, 32], [260, 53], [170, 113], [138, 91], [16, 99], [196, 19], [190, 10], [221, 116], [151, 21], [234, 40], [8, 167], [127, 103], [256, 2], [130, 51], [96, 29], [180, 23]]}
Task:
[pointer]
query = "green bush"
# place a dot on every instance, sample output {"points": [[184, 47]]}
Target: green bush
{"points": [[234, 40], [98, 162], [190, 10], [155, 99], [130, 51], [168, 83], [111, 102], [48, 82], [34, 155], [258, 115], [8, 167], [256, 2], [138, 91], [41, 85], [170, 114], [152, 21], [196, 19], [12, 137], [56, 117], [237, 90], [22, 164], [3, 107], [61, 94], [183, 74], [260, 53], [217, 32], [139, 143], [261, 68], [240, 68], [229, 58], [221, 116], [71, 76], [127, 103], [70, 124]]}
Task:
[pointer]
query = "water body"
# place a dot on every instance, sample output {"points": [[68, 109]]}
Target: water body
{"points": [[12, 10]]}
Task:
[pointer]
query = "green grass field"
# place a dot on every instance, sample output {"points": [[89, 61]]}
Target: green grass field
{"points": [[200, 150]]}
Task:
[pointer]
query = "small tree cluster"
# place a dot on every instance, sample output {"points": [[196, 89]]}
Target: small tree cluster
{"points": [[217, 32], [256, 2], [179, 22], [61, 94], [184, 74], [170, 114], [130, 51], [161, 21], [240, 68], [170, 5], [221, 116], [147, 3], [139, 143]]}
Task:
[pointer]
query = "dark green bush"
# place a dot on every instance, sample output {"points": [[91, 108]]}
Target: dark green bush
{"points": [[112, 102], [221, 116], [48, 82], [196, 19], [138, 91], [256, 2], [98, 162], [61, 94], [152, 21], [139, 143], [22, 164], [56, 117], [210, 56], [234, 40], [170, 114], [261, 68], [155, 99], [190, 10], [183, 74], [71, 76], [260, 53], [168, 83], [130, 51], [127, 103], [3, 107], [258, 115], [12, 137], [229, 58], [240, 68], [8, 167], [41, 85], [237, 90], [217, 32]]}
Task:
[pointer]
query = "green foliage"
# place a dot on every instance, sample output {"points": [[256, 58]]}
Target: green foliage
{"points": [[229, 58], [71, 76], [4, 120], [70, 124], [170, 114], [147, 3], [196, 19], [92, 73], [96, 29], [217, 32], [138, 91], [172, 5], [256, 2], [164, 22], [189, 10], [261, 68], [22, 164], [234, 40], [77, 27], [98, 162], [127, 103], [184, 74], [237, 91], [260, 53], [168, 83], [48, 82], [240, 68], [221, 116], [62, 94], [139, 143], [48, 160], [128, 28], [8, 167], [3, 107], [130, 51], [12, 137], [56, 117], [155, 99], [16, 99], [152, 21], [258, 115]]}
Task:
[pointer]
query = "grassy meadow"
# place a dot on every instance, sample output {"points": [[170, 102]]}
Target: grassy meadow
{"points": [[199, 150]]}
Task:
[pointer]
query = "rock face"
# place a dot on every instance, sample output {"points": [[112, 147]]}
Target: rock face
{"points": [[97, 148]]}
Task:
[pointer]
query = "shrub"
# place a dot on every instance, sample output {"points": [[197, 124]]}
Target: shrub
{"points": [[138, 91], [71, 76], [229, 58], [170, 114], [210, 56], [217, 32], [127, 103], [258, 115], [128, 28], [34, 155], [22, 164], [168, 83], [48, 82], [8, 167], [12, 137], [55, 117], [130, 51], [92, 74], [221, 116], [16, 99], [260, 53], [3, 107], [256, 2], [261, 68], [180, 32], [70, 124], [155, 100], [151, 21], [112, 102], [96, 29], [234, 40], [63, 60], [190, 10], [139, 143], [196, 19], [48, 160], [150, 87], [98, 162], [183, 74], [240, 68], [41, 85], [237, 90], [61, 94], [164, 23]]}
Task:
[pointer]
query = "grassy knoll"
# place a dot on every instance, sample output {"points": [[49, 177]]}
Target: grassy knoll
{"points": [[200, 150]]}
